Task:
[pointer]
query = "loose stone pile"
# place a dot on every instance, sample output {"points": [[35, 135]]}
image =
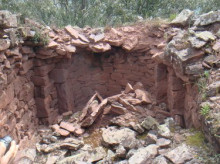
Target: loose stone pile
{"points": [[131, 136]]}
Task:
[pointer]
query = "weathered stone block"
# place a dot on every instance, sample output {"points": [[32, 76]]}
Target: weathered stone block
{"points": [[26, 67], [43, 106], [43, 70], [59, 75], [7, 19], [40, 81]]}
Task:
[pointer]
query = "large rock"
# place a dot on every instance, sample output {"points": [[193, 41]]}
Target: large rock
{"points": [[208, 18], [183, 18], [205, 35], [100, 47], [85, 156], [113, 136], [68, 143], [159, 160], [164, 131], [197, 43], [179, 155], [149, 123], [4, 44], [144, 155], [7, 19]]}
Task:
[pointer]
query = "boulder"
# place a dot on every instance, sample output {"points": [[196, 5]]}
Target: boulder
{"points": [[163, 143], [4, 44], [160, 160], [7, 19], [183, 18], [196, 43], [125, 137], [164, 131], [149, 123], [205, 35], [144, 155], [179, 155], [208, 18]]}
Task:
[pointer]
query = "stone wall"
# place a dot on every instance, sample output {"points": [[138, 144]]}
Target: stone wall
{"points": [[17, 107], [76, 80], [39, 80]]}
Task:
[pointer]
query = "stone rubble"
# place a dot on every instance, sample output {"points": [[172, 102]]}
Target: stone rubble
{"points": [[178, 70]]}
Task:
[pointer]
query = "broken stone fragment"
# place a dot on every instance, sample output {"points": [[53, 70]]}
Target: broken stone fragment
{"points": [[83, 38], [164, 131], [118, 109], [4, 44], [183, 18], [127, 105], [100, 47], [74, 33], [79, 43], [52, 44], [179, 155], [149, 123], [7, 19], [70, 48], [144, 155], [211, 60], [160, 160], [67, 126], [97, 38], [205, 35], [112, 136], [163, 143], [79, 131], [85, 156], [120, 151], [142, 95], [151, 138], [128, 88], [195, 69], [208, 18], [197, 43], [130, 43], [60, 131], [136, 127], [216, 46], [68, 143]]}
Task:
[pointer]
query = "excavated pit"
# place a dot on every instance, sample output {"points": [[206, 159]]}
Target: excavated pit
{"points": [[42, 85]]}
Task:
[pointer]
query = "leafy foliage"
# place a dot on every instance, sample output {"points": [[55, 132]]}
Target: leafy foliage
{"points": [[205, 110], [102, 12]]}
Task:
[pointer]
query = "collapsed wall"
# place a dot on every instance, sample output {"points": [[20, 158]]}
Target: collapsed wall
{"points": [[46, 72]]}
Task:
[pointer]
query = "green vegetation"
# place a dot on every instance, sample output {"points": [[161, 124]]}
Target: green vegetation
{"points": [[205, 110], [197, 139], [102, 12], [40, 38]]}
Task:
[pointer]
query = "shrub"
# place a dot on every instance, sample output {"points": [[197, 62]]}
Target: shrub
{"points": [[205, 110]]}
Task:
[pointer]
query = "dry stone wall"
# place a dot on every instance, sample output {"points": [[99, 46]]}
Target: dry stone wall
{"points": [[17, 103], [45, 72]]}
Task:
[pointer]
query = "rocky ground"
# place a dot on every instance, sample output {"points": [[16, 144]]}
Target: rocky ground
{"points": [[107, 132]]}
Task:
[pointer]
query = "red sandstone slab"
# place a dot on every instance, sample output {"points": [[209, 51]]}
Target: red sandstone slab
{"points": [[72, 31], [67, 126]]}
